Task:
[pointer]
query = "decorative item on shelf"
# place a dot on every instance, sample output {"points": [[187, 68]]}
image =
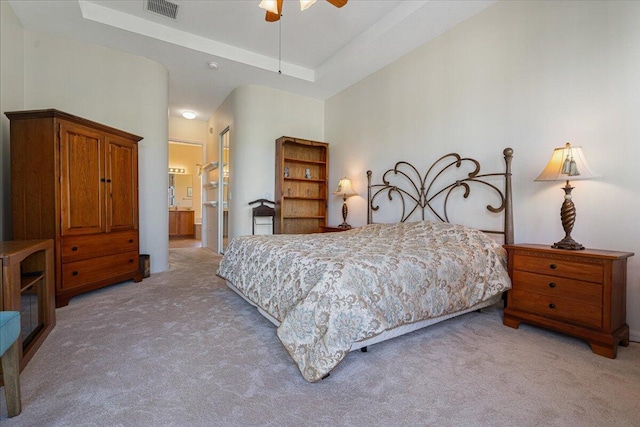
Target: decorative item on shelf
{"points": [[345, 190], [567, 163], [286, 172], [211, 184], [211, 204], [198, 169], [177, 170], [307, 173]]}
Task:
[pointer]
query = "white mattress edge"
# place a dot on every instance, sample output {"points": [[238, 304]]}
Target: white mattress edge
{"points": [[391, 333]]}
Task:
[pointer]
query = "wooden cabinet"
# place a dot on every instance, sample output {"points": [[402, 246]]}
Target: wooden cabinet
{"points": [[181, 223], [580, 293], [301, 187], [76, 182], [27, 286]]}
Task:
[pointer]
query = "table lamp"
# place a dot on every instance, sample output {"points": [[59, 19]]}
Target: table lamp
{"points": [[567, 163], [345, 190]]}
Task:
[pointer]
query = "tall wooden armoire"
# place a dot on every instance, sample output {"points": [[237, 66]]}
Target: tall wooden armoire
{"points": [[76, 182]]}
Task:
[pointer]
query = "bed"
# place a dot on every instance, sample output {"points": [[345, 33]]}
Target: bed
{"points": [[332, 293]]}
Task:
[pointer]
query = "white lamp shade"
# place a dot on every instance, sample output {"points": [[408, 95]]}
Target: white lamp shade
{"points": [[344, 188], [305, 4], [557, 170], [269, 5]]}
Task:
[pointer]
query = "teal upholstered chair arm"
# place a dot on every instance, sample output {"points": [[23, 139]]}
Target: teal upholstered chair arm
{"points": [[9, 329], [10, 359]]}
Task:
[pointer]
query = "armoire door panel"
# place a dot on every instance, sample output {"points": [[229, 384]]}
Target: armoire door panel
{"points": [[81, 179], [122, 184]]}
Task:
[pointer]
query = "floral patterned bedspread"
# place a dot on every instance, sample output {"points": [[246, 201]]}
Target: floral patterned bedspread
{"points": [[331, 290]]}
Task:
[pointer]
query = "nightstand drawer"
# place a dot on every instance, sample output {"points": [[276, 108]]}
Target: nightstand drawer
{"points": [[585, 292], [590, 272], [559, 308]]}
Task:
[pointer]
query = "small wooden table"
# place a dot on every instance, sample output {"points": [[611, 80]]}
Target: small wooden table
{"points": [[27, 278], [328, 229], [580, 293]]}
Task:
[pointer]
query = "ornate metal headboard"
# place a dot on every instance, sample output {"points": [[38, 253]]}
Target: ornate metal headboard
{"points": [[418, 195]]}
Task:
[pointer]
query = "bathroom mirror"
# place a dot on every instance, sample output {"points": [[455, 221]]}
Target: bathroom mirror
{"points": [[180, 191]]}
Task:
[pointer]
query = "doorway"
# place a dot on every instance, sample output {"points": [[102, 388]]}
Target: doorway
{"points": [[185, 194], [224, 194]]}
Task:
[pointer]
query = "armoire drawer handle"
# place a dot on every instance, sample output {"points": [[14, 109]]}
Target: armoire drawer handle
{"points": [[552, 266], [130, 240], [552, 305], [75, 273], [131, 260], [552, 285], [75, 248]]}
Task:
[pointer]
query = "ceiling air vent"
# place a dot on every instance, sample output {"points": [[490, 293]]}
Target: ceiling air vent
{"points": [[163, 7]]}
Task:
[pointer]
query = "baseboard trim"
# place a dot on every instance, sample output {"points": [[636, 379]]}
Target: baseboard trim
{"points": [[634, 336]]}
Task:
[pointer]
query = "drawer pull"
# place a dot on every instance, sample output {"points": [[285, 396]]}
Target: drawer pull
{"points": [[130, 240], [552, 305], [552, 285], [131, 260], [75, 248], [75, 273], [552, 266]]}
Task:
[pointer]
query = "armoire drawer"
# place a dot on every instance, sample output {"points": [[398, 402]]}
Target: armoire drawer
{"points": [[80, 273], [76, 248]]}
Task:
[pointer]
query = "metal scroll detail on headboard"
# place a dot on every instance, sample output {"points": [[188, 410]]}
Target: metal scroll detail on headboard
{"points": [[418, 195]]}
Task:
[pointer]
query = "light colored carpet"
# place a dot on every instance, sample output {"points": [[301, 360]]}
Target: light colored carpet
{"points": [[181, 349]]}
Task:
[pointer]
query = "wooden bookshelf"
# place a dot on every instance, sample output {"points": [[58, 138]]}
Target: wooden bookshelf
{"points": [[301, 190]]}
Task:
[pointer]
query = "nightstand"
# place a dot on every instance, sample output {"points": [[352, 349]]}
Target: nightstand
{"points": [[327, 229], [580, 293]]}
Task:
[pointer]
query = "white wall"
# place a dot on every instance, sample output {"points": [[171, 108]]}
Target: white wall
{"points": [[120, 90], [11, 99], [529, 75], [183, 130], [256, 117]]}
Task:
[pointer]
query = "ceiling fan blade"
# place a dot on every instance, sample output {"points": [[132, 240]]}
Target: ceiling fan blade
{"points": [[273, 17], [338, 3]]}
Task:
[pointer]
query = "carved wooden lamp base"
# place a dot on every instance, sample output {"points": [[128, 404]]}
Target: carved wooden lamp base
{"points": [[345, 211], [568, 216], [568, 243]]}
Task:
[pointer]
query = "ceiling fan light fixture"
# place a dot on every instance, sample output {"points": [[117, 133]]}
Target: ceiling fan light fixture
{"points": [[269, 6], [306, 4]]}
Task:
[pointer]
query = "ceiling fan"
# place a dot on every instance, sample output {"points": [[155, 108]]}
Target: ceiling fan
{"points": [[274, 7]]}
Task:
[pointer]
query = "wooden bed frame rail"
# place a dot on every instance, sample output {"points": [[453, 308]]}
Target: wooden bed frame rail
{"points": [[417, 194]]}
